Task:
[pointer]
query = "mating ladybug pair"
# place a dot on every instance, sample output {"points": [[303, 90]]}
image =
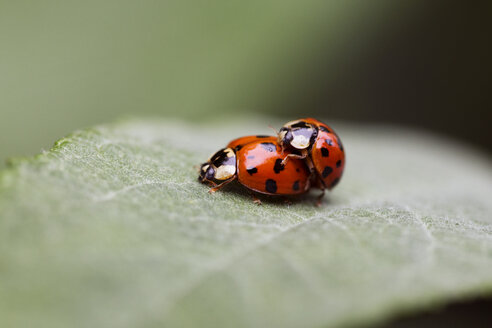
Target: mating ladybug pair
{"points": [[306, 153]]}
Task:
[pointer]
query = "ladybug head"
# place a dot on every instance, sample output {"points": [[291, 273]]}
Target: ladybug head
{"points": [[220, 167], [297, 134]]}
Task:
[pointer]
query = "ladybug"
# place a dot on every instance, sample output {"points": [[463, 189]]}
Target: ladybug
{"points": [[257, 163], [319, 145]]}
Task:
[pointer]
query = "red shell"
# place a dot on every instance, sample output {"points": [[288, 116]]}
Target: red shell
{"points": [[259, 167], [328, 158], [240, 142]]}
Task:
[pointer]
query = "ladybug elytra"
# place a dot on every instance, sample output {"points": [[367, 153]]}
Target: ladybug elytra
{"points": [[256, 162]]}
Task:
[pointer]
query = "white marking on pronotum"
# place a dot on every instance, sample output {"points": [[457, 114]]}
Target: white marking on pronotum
{"points": [[229, 152], [281, 135], [225, 172], [300, 142]]}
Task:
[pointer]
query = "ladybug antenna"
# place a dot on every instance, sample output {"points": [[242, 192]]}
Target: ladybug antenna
{"points": [[271, 127]]}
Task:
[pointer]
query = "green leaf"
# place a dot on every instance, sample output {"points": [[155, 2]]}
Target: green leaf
{"points": [[111, 228]]}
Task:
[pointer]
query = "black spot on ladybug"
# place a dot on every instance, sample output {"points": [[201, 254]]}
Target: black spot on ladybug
{"points": [[298, 170], [238, 147], [325, 152], [268, 146], [250, 157], [322, 128], [335, 182], [278, 166], [300, 124], [326, 172], [339, 163], [271, 186], [252, 171], [219, 156], [329, 142], [295, 186], [261, 136]]}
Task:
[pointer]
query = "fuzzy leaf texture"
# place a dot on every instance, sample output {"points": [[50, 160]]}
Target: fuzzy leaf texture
{"points": [[110, 228]]}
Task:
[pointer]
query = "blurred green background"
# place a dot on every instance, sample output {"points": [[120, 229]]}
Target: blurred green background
{"points": [[66, 65]]}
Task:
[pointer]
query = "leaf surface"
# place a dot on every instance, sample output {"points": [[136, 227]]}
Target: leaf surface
{"points": [[111, 228]]}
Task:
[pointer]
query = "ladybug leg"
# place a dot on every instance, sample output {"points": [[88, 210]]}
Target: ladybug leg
{"points": [[286, 159], [274, 130], [256, 200], [310, 165], [321, 185], [320, 198], [287, 201], [221, 185]]}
